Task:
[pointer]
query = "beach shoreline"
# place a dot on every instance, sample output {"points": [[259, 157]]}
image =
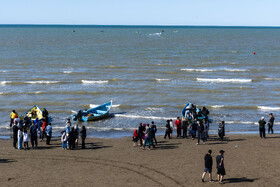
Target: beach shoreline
{"points": [[249, 161]]}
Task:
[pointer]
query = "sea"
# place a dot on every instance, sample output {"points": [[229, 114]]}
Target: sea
{"points": [[149, 72]]}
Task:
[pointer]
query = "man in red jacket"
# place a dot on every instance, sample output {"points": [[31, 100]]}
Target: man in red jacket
{"points": [[179, 127]]}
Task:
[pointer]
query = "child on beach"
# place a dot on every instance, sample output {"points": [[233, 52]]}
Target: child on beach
{"points": [[25, 139], [135, 138], [63, 140]]}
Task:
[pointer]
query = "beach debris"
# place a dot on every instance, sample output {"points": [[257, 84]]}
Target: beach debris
{"points": [[236, 146]]}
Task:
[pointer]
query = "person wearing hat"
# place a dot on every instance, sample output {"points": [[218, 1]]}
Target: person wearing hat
{"points": [[220, 166], [208, 166], [270, 123], [262, 127]]}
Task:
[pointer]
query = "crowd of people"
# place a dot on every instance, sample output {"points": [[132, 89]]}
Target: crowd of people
{"points": [[26, 129]]}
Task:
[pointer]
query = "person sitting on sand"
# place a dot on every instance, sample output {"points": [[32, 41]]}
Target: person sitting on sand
{"points": [[220, 166], [83, 136], [221, 130], [148, 135], [208, 161], [262, 127], [135, 138]]}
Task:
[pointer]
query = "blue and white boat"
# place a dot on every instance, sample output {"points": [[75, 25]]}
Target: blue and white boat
{"points": [[92, 114], [189, 107]]}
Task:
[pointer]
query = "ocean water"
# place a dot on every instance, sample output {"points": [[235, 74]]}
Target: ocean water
{"points": [[150, 73]]}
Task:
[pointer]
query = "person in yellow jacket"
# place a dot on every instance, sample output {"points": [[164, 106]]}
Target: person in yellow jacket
{"points": [[13, 116]]}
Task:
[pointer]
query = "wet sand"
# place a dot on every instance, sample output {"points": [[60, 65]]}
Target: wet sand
{"points": [[249, 161]]}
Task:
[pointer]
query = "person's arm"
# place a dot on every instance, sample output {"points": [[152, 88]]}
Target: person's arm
{"points": [[222, 159]]}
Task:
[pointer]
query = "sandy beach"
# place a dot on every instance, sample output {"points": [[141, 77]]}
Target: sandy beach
{"points": [[249, 161]]}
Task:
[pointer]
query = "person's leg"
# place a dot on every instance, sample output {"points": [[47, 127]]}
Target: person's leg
{"points": [[221, 178], [145, 142], [272, 129], [264, 132], [36, 140], [210, 177], [218, 177], [149, 143], [83, 143], [203, 175], [260, 130], [155, 139], [27, 145], [198, 137], [165, 134], [11, 122]]}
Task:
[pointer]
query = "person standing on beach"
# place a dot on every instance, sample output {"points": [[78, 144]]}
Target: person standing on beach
{"points": [[171, 127], [221, 130], [270, 123], [68, 130], [33, 134], [15, 135], [206, 129], [141, 133], [63, 140], [148, 135], [220, 166], [185, 127], [45, 116], [262, 127], [77, 133], [179, 127], [208, 166], [49, 133], [12, 117], [20, 138], [25, 138], [72, 139], [200, 130], [167, 130], [83, 136], [154, 130]]}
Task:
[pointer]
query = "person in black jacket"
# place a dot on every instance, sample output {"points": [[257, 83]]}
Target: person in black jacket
{"points": [[83, 136], [15, 135], [208, 166], [72, 139], [200, 130], [141, 131], [167, 130], [154, 130]]}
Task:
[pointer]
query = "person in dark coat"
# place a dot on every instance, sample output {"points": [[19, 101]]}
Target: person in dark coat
{"points": [[33, 134], [185, 128], [83, 136], [262, 127], [221, 130], [208, 161], [200, 131], [45, 114], [141, 131], [270, 123], [220, 166], [15, 135], [167, 130], [154, 130], [72, 139]]}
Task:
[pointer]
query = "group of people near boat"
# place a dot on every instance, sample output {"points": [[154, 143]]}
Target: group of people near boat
{"points": [[145, 134], [26, 129]]}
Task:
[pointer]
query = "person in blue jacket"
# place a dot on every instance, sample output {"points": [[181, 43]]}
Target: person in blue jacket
{"points": [[49, 133]]}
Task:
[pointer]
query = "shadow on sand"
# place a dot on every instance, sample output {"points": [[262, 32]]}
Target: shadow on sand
{"points": [[96, 145], [7, 160], [238, 180]]}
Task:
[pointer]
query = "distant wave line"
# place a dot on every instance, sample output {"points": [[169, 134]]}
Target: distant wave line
{"points": [[224, 80]]}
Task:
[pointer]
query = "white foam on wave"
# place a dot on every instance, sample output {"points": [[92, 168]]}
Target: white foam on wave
{"points": [[153, 109], [3, 71], [5, 82], [162, 79], [94, 82], [67, 72], [224, 80], [212, 70], [268, 108], [41, 82], [94, 105], [155, 34], [141, 117], [217, 106], [271, 79], [242, 122]]}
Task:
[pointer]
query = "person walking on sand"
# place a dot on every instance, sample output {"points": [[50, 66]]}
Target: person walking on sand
{"points": [[167, 130], [15, 136], [49, 133], [270, 123], [25, 138], [12, 117], [148, 135], [221, 130], [20, 138], [33, 134], [200, 130], [208, 166], [83, 136], [220, 166], [154, 130], [179, 127], [262, 127]]}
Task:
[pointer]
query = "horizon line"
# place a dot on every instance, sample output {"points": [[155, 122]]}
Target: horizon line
{"points": [[121, 25]]}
